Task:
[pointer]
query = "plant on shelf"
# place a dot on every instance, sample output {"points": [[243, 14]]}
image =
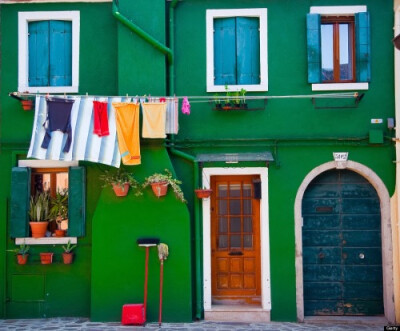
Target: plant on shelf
{"points": [[22, 253], [217, 101], [120, 182], [227, 102], [68, 255], [59, 211], [39, 213], [159, 183], [243, 103]]}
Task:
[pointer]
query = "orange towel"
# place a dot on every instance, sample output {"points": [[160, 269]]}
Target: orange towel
{"points": [[127, 120], [154, 116]]}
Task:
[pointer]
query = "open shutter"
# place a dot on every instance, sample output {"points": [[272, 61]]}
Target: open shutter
{"points": [[19, 206], [76, 201], [38, 48], [248, 50], [363, 47], [314, 47], [60, 53], [225, 51]]}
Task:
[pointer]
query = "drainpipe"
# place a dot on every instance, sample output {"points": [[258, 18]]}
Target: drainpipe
{"points": [[197, 231], [172, 6], [141, 33]]}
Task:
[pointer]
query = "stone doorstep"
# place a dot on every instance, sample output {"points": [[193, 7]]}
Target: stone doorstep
{"points": [[236, 313]]}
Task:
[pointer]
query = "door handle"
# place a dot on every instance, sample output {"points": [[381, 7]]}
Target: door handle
{"points": [[235, 253]]}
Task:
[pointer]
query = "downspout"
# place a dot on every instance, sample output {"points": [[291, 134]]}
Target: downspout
{"points": [[172, 6], [141, 33], [197, 231]]}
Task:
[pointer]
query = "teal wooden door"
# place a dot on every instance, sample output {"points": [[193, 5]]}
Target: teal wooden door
{"points": [[342, 260]]}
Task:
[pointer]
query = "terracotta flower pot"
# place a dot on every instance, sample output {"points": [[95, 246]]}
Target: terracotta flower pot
{"points": [[59, 233], [68, 257], [27, 104], [203, 193], [38, 229], [22, 259], [160, 189], [121, 190], [46, 258]]}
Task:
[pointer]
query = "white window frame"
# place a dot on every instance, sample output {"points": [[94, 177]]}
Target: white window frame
{"points": [[46, 240], [261, 14], [338, 11], [23, 50]]}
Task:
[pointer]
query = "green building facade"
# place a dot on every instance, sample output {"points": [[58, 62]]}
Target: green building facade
{"points": [[311, 155]]}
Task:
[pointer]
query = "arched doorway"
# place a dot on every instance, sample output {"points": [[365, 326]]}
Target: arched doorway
{"points": [[342, 255]]}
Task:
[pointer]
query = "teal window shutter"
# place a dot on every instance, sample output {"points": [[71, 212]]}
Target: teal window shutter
{"points": [[314, 48], [76, 201], [38, 48], [248, 50], [60, 53], [225, 51], [363, 47], [20, 196]]}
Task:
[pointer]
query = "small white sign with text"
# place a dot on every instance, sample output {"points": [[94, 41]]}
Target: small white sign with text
{"points": [[340, 157]]}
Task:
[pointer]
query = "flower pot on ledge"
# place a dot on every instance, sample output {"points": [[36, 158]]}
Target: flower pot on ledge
{"points": [[121, 190], [38, 229], [203, 193], [27, 104], [22, 258], [46, 258], [160, 188], [68, 258]]}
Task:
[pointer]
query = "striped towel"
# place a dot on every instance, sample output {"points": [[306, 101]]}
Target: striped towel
{"points": [[85, 145], [171, 123]]}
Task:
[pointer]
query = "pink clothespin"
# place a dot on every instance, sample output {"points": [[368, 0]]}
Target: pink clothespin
{"points": [[163, 99], [185, 106]]}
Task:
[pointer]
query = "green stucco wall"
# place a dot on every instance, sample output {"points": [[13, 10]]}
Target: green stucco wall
{"points": [[113, 61]]}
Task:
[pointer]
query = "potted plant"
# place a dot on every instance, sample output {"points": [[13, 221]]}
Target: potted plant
{"points": [[120, 182], [243, 103], [159, 183], [22, 253], [46, 258], [59, 210], [217, 101], [68, 255], [227, 102], [203, 193], [39, 213]]}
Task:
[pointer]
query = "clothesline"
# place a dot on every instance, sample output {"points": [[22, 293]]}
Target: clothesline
{"points": [[202, 98]]}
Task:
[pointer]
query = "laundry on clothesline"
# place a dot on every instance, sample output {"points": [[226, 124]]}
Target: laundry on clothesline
{"points": [[100, 118], [185, 106], [154, 118]]}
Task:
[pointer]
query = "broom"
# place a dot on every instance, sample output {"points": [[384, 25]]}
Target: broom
{"points": [[162, 255]]}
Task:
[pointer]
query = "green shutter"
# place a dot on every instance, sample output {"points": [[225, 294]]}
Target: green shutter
{"points": [[314, 48], [76, 201], [248, 50], [60, 53], [363, 47], [225, 51], [20, 195], [38, 49]]}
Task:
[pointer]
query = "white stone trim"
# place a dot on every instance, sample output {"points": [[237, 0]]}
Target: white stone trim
{"points": [[23, 55], [46, 164], [386, 234], [340, 86], [45, 241], [337, 10], [261, 13], [264, 233]]}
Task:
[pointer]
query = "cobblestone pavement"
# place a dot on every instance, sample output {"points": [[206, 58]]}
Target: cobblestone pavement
{"points": [[85, 324]]}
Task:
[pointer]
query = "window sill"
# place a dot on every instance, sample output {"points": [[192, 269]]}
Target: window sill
{"points": [[340, 87], [46, 241], [231, 88], [48, 89]]}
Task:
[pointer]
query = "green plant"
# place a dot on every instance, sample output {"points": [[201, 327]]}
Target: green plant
{"points": [[236, 99], [39, 207], [59, 205], [69, 248], [243, 95], [217, 100], [121, 177], [167, 177], [228, 96], [22, 250]]}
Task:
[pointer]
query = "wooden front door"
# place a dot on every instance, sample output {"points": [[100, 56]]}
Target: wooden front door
{"points": [[342, 264], [235, 241]]}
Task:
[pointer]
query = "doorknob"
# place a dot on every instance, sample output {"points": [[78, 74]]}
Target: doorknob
{"points": [[235, 253]]}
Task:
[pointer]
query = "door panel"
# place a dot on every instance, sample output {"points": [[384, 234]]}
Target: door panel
{"points": [[235, 241], [342, 258]]}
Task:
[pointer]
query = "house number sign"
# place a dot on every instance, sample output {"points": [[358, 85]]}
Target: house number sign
{"points": [[340, 159]]}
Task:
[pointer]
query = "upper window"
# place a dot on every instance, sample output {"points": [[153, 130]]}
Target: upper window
{"points": [[237, 50], [338, 48], [48, 55]]}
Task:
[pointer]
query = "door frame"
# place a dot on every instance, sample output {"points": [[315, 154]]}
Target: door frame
{"points": [[264, 232], [386, 233]]}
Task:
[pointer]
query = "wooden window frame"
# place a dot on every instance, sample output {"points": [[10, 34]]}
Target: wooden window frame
{"points": [[336, 21]]}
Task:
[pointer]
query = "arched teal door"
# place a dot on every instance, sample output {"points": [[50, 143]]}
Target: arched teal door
{"points": [[342, 259]]}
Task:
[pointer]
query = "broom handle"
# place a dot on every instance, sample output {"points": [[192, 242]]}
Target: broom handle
{"points": [[146, 271], [161, 290]]}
